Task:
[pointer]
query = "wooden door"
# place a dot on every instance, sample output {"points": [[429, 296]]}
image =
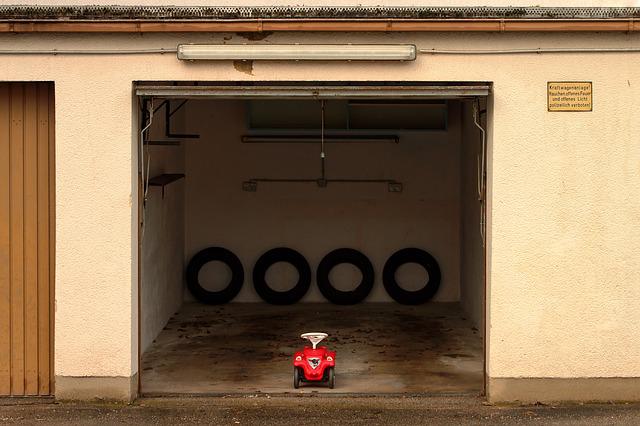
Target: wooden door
{"points": [[26, 238]]}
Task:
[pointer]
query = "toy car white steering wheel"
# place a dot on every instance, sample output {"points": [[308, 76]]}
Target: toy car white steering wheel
{"points": [[314, 338]]}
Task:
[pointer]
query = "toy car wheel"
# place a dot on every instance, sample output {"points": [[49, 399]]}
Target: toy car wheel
{"points": [[296, 377], [332, 378]]}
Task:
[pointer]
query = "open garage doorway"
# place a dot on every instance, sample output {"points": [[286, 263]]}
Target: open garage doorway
{"points": [[268, 211]]}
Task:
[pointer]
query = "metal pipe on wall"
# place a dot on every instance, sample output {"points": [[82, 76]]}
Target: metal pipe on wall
{"points": [[328, 25]]}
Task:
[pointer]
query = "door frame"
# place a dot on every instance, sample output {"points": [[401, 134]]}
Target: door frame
{"points": [[320, 90]]}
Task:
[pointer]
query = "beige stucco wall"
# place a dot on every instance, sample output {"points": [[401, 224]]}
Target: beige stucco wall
{"points": [[564, 299], [316, 220]]}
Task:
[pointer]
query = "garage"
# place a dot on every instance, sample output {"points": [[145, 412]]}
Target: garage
{"points": [[353, 209]]}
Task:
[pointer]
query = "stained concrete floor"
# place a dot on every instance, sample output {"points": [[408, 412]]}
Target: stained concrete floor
{"points": [[381, 348]]}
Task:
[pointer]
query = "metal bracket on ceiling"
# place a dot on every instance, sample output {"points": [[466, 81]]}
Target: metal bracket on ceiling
{"points": [[168, 113]]}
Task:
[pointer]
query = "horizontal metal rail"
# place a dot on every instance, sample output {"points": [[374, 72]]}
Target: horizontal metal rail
{"points": [[325, 25], [298, 139], [322, 92]]}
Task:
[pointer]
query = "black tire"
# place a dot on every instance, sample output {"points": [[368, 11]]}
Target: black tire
{"points": [[411, 255], [353, 257], [332, 378], [282, 254], [296, 377], [209, 255]]}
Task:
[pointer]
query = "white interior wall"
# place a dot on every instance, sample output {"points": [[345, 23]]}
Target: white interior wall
{"points": [[162, 268], [316, 220], [472, 251]]}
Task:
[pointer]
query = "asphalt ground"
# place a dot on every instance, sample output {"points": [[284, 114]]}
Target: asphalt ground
{"points": [[314, 410]]}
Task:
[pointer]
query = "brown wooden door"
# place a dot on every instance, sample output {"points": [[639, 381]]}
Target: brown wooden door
{"points": [[26, 238]]}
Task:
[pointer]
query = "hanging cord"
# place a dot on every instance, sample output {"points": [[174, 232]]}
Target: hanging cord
{"points": [[322, 153], [481, 170], [144, 174]]}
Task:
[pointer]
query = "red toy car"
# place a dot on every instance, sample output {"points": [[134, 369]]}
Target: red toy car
{"points": [[313, 364]]}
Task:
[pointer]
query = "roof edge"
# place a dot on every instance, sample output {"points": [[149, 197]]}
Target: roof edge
{"points": [[203, 13]]}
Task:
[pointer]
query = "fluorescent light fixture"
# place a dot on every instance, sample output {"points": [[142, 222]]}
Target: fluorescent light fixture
{"points": [[297, 52]]}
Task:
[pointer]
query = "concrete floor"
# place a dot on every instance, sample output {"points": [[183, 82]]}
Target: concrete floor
{"points": [[381, 348], [263, 410]]}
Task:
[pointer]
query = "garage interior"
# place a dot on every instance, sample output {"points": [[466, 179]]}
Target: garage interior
{"points": [[376, 171]]}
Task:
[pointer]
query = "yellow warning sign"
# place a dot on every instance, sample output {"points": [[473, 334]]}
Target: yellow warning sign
{"points": [[570, 96]]}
